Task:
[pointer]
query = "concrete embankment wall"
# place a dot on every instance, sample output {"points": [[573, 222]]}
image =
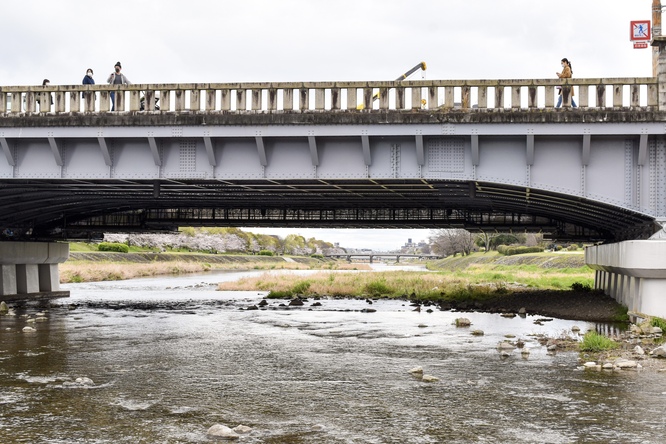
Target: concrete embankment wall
{"points": [[633, 273]]}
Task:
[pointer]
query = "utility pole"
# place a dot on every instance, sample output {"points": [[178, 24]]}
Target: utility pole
{"points": [[656, 32]]}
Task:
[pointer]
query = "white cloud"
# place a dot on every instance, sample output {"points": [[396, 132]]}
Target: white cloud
{"points": [[299, 40]]}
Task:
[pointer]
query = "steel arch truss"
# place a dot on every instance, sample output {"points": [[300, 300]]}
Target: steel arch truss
{"points": [[83, 208]]}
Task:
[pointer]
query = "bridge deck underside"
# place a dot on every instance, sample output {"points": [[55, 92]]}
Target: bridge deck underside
{"points": [[81, 208]]}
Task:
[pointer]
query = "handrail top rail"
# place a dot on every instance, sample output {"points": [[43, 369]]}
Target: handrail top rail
{"points": [[335, 84]]}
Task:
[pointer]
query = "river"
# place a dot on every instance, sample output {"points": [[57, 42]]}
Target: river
{"points": [[169, 357]]}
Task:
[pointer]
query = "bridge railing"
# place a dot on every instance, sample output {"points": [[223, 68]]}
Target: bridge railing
{"points": [[441, 95]]}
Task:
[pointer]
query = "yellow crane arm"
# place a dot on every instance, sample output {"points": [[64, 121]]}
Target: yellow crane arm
{"points": [[421, 65]]}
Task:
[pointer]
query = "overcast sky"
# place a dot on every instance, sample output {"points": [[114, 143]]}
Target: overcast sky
{"points": [[204, 41]]}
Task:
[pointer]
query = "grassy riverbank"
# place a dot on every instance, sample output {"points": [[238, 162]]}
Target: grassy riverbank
{"points": [[476, 276], [539, 283], [95, 266], [548, 270]]}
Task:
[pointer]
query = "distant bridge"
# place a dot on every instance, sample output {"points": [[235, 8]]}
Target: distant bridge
{"points": [[371, 256]]}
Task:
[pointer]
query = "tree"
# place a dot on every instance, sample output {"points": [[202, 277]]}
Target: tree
{"points": [[485, 240], [492, 240], [451, 242]]}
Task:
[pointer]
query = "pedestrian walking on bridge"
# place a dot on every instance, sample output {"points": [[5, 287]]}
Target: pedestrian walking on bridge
{"points": [[566, 73], [117, 78]]}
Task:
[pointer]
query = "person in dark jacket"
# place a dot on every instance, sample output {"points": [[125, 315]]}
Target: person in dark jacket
{"points": [[88, 80]]}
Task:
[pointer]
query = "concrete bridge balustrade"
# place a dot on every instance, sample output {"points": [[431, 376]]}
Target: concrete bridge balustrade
{"points": [[464, 95]]}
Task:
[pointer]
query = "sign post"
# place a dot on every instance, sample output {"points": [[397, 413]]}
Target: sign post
{"points": [[640, 33]]}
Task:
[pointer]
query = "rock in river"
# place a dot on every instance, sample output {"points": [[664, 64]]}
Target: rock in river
{"points": [[222, 431]]}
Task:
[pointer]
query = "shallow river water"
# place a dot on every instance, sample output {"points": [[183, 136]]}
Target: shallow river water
{"points": [[188, 357]]}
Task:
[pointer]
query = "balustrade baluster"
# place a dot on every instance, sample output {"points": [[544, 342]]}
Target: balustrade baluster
{"points": [[256, 99], [617, 96], [303, 98], [149, 100], [135, 100], [449, 97], [635, 96], [287, 99], [165, 100], [74, 102], [465, 97], [416, 97], [352, 98], [515, 97], [272, 99], [88, 98], [211, 100], [483, 97], [583, 96], [653, 95], [433, 97], [320, 99], [383, 98], [104, 101], [400, 98], [566, 95], [499, 97], [17, 100], [195, 100], [119, 100], [180, 100], [30, 102], [241, 101], [367, 97], [44, 102], [601, 96], [550, 97], [532, 97], [225, 99], [336, 99]]}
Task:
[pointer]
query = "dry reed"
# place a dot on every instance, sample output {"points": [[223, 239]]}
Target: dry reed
{"points": [[91, 271]]}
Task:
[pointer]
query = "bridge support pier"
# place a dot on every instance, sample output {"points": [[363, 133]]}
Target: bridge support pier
{"points": [[633, 273], [29, 270]]}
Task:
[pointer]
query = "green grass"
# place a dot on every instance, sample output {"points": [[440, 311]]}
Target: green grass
{"points": [[594, 342], [82, 247], [661, 323], [378, 287], [87, 247], [621, 315], [658, 322], [546, 270]]}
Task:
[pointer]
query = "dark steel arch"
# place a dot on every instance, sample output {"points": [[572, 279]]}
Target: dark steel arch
{"points": [[52, 209]]}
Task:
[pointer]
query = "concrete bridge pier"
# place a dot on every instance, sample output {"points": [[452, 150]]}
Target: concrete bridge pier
{"points": [[29, 270], [633, 273]]}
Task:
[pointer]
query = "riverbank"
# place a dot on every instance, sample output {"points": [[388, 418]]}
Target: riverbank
{"points": [[539, 283], [108, 266]]}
